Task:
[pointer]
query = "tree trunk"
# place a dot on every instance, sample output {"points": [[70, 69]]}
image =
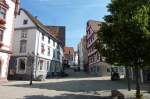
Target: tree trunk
{"points": [[138, 94], [128, 78]]}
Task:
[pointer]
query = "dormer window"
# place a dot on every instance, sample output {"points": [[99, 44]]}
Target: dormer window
{"points": [[25, 22]]}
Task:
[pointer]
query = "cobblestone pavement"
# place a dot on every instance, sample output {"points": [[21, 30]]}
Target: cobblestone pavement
{"points": [[66, 88]]}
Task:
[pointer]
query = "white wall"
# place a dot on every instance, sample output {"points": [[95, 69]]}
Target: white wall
{"points": [[4, 57], [31, 39], [7, 36], [46, 45], [34, 41], [20, 18]]}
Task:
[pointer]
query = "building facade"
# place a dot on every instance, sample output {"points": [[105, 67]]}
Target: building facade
{"points": [[83, 55], [76, 58], [59, 32], [32, 38], [69, 55], [96, 62], [8, 11]]}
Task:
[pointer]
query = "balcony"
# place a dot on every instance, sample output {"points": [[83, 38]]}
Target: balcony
{"points": [[2, 21]]}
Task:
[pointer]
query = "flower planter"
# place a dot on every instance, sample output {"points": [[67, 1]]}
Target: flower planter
{"points": [[1, 44], [2, 27], [2, 22]]}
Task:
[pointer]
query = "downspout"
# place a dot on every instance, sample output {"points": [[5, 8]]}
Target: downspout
{"points": [[37, 55]]}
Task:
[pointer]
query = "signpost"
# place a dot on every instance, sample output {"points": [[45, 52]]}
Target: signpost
{"points": [[30, 62]]}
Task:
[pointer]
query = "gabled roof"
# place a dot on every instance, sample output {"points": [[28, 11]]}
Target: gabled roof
{"points": [[58, 32], [69, 50], [39, 24]]}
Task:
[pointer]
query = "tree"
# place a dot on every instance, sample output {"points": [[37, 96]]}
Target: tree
{"points": [[124, 37]]}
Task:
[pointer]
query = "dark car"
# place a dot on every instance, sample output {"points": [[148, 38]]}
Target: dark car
{"points": [[115, 76]]}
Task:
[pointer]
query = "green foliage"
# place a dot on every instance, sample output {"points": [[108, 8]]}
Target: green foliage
{"points": [[124, 39]]}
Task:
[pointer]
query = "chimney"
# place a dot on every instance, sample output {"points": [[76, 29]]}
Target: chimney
{"points": [[36, 17]]}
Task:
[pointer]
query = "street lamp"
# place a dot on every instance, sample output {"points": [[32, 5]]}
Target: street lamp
{"points": [[30, 62]]}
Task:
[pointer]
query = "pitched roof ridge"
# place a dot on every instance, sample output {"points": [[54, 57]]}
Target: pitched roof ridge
{"points": [[38, 23], [54, 26]]}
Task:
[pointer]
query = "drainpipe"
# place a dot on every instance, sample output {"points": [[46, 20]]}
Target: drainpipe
{"points": [[37, 55]]}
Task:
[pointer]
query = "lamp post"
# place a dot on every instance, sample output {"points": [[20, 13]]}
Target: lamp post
{"points": [[30, 63]]}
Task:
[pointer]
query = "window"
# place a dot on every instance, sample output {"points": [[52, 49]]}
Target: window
{"points": [[24, 34], [54, 43], [108, 70], [58, 55], [48, 64], [25, 21], [99, 24], [49, 40], [41, 64], [23, 44], [98, 69], [21, 65], [57, 46], [98, 56], [2, 13], [1, 35], [42, 48], [42, 37], [53, 53], [49, 51]]}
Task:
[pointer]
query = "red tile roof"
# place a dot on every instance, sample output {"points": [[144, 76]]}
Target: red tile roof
{"points": [[39, 24], [69, 50]]}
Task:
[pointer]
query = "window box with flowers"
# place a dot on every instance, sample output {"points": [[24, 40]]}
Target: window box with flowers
{"points": [[1, 44], [1, 38], [2, 23], [3, 9]]}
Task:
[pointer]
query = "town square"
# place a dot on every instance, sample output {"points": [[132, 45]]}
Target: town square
{"points": [[74, 49]]}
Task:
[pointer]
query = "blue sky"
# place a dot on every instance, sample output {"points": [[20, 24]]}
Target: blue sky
{"points": [[70, 13]]}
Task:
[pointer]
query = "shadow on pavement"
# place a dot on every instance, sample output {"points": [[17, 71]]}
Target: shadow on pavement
{"points": [[115, 95], [76, 85], [67, 96]]}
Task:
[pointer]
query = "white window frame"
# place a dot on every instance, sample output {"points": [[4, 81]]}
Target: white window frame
{"points": [[24, 33]]}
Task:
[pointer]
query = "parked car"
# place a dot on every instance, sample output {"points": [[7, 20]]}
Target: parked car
{"points": [[115, 76]]}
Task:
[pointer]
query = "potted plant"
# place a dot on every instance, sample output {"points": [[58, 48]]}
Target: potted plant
{"points": [[1, 44], [2, 21]]}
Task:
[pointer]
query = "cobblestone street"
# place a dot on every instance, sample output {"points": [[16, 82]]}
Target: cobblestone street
{"points": [[65, 88]]}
